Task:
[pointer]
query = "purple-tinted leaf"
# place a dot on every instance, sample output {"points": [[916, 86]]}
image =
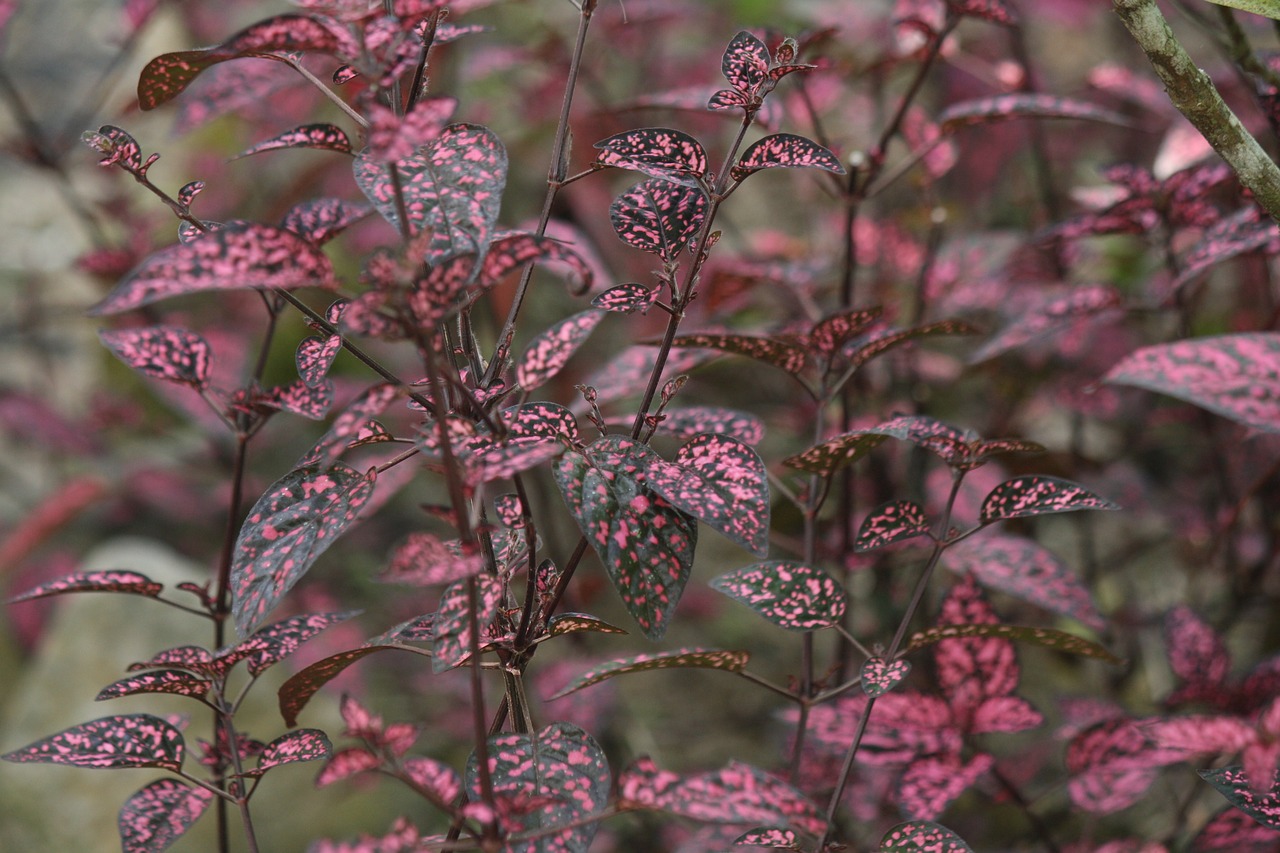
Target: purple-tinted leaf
{"points": [[117, 147], [169, 74], [346, 763], [859, 352], [440, 780], [830, 456], [1027, 571], [159, 814], [769, 836], [729, 661], [299, 398], [996, 11], [392, 136], [315, 356], [892, 522], [111, 580], [292, 747], [451, 188], [1057, 312], [320, 220], [287, 530], [658, 152], [452, 628], [572, 623], [879, 676], [745, 63], [629, 370], [1025, 105], [295, 693], [785, 150], [829, 334], [543, 420], [562, 770], [1026, 496], [1233, 831], [126, 740], [696, 420], [1236, 376], [236, 256], [921, 836], [626, 298], [658, 216], [727, 99], [737, 793], [278, 640], [790, 595], [723, 483], [1047, 637], [547, 353], [1232, 783], [1196, 653], [1201, 734], [646, 544], [931, 783], [1112, 765], [424, 560], [789, 357], [351, 425], [162, 352], [194, 658], [1249, 230], [326, 137], [176, 681]]}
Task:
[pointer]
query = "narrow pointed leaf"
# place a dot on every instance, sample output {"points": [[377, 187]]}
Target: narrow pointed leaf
{"points": [[572, 623], [299, 398], [789, 357], [921, 836], [658, 217], [548, 353], [1025, 105], [295, 693], [452, 628], [127, 740], [159, 814], [895, 521], [729, 661], [1232, 783], [785, 150], [879, 676], [162, 352], [626, 298], [658, 152], [288, 528], [859, 352], [791, 595], [737, 793], [175, 681], [292, 747], [696, 420], [1236, 376], [234, 257], [1047, 637], [1053, 314], [1027, 496], [831, 333], [325, 137], [110, 580]]}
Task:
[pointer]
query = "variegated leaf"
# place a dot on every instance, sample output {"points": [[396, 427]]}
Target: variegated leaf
{"points": [[787, 356], [548, 353], [1027, 496], [879, 676], [626, 298], [126, 740], [730, 661], [891, 522], [791, 595], [745, 63], [921, 836], [176, 681], [452, 638], [325, 137], [320, 220], [1047, 637], [156, 816], [658, 216], [658, 152], [162, 352], [279, 640], [832, 455], [293, 747], [785, 150], [297, 691], [1260, 802], [695, 420], [110, 580]]}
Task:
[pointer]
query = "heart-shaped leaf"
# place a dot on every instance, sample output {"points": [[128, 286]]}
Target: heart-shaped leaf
{"points": [[879, 676], [791, 595], [156, 816], [1026, 496]]}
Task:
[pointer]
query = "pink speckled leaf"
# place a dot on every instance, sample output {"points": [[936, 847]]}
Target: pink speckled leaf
{"points": [[895, 521], [325, 137], [723, 483], [1047, 637], [439, 780], [293, 747], [287, 530], [126, 740], [742, 794], [162, 352], [278, 640], [785, 150], [237, 256], [452, 188], [832, 455], [573, 623], [548, 353], [452, 629], [1053, 314], [111, 580], [791, 595], [117, 147], [695, 420], [1236, 376], [1201, 734], [996, 11], [1112, 764], [1197, 655], [879, 676], [831, 333], [320, 220], [745, 63], [392, 136], [299, 398], [351, 425], [422, 559], [658, 152], [773, 837], [543, 420], [931, 783], [646, 544], [346, 763], [921, 836], [730, 661], [159, 814], [175, 681], [194, 658], [1233, 784], [1234, 831], [787, 356], [1249, 230], [556, 776], [658, 216], [314, 357], [860, 351], [1025, 105], [1027, 496], [168, 75], [1021, 568], [626, 298]]}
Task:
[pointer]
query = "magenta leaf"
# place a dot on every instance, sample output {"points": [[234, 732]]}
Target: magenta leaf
{"points": [[110, 580], [895, 521], [159, 814], [787, 356], [931, 783], [326, 137], [793, 596], [921, 836], [1197, 655], [1025, 105], [451, 188], [299, 398], [646, 544], [745, 63], [440, 780], [573, 623], [1027, 496], [543, 420], [729, 661], [831, 333], [237, 256], [162, 352], [168, 75], [1233, 784], [548, 353], [1023, 569], [320, 220], [626, 298], [996, 11], [1236, 376], [785, 150], [295, 693], [352, 424], [658, 152], [879, 676], [721, 482], [287, 530], [695, 420], [292, 747], [346, 763], [278, 640], [127, 740], [658, 216], [1055, 313], [424, 560], [830, 456], [314, 357], [117, 147], [194, 658], [556, 776], [1249, 230], [176, 681], [1112, 764], [773, 837], [452, 628], [1047, 637], [1233, 831]]}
